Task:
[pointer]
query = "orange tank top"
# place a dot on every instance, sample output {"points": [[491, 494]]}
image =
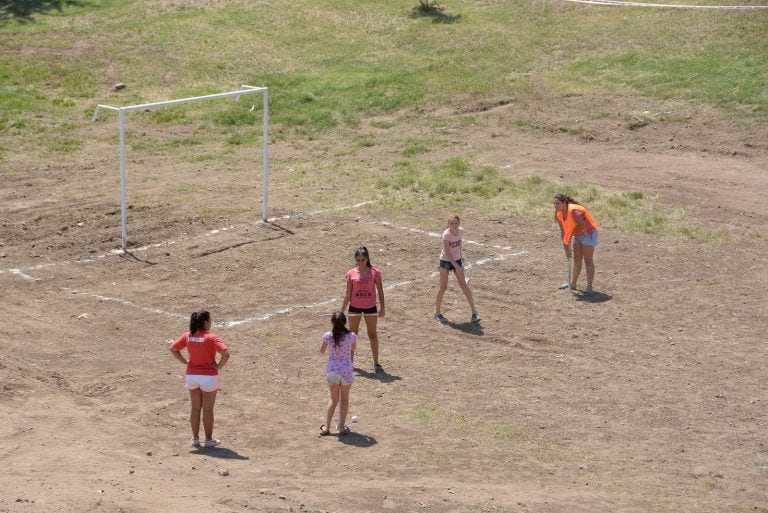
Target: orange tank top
{"points": [[569, 224]]}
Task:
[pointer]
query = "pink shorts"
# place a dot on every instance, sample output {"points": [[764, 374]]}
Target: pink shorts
{"points": [[204, 383]]}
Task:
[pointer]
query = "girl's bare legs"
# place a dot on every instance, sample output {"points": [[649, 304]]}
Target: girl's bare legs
{"points": [[465, 288], [589, 263], [354, 322], [196, 398], [332, 402], [208, 400], [371, 321], [578, 255], [441, 290], [344, 407]]}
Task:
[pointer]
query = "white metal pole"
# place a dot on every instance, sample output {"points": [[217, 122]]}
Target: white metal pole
{"points": [[124, 231], [265, 159]]}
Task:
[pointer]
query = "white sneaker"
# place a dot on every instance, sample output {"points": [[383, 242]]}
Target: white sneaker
{"points": [[212, 442], [475, 318]]}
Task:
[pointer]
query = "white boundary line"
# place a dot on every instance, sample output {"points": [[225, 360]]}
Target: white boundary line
{"points": [[619, 3], [125, 302], [210, 233], [282, 311]]}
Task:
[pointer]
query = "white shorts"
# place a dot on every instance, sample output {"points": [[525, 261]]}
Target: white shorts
{"points": [[204, 383], [334, 378]]}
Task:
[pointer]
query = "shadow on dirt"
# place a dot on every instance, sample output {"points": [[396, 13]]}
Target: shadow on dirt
{"points": [[470, 328], [595, 297], [357, 439], [383, 376], [219, 452], [131, 257], [24, 10]]}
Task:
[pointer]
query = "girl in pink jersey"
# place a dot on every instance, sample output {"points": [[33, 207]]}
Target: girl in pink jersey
{"points": [[340, 344], [202, 379], [450, 260], [363, 282]]}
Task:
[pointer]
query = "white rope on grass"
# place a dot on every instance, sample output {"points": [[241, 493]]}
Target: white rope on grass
{"points": [[619, 3]]}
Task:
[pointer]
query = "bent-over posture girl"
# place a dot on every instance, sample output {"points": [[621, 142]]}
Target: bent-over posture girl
{"points": [[575, 221]]}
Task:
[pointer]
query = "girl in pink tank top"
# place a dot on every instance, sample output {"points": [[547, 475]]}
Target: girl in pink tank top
{"points": [[363, 286]]}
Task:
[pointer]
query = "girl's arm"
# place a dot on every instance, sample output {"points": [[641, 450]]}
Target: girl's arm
{"points": [[380, 289], [566, 247], [347, 296], [177, 354], [323, 346], [222, 361], [352, 350]]}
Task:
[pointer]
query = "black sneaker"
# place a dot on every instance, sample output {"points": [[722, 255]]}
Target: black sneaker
{"points": [[441, 318], [378, 368], [475, 318]]}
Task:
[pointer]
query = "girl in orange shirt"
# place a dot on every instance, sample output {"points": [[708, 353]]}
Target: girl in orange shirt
{"points": [[575, 221]]}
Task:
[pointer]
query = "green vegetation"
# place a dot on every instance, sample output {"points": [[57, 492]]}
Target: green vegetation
{"points": [[332, 66]]}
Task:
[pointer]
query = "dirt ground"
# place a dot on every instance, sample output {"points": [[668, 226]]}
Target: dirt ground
{"points": [[648, 397]]}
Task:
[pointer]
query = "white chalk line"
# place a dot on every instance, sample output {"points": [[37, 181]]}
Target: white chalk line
{"points": [[283, 311], [619, 3], [210, 233], [290, 309], [125, 302], [438, 235]]}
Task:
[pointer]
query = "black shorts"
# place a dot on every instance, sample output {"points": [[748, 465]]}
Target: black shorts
{"points": [[449, 266], [365, 311]]}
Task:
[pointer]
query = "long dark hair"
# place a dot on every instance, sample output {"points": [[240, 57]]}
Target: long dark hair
{"points": [[565, 199], [339, 321], [363, 251], [197, 320]]}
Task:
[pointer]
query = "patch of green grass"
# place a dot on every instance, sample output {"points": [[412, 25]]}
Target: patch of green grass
{"points": [[413, 149], [367, 142], [456, 183], [64, 145], [720, 75]]}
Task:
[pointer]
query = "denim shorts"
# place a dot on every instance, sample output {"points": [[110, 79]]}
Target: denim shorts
{"points": [[449, 266], [588, 239]]}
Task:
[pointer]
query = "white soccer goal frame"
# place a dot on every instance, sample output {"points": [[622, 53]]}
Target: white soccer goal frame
{"points": [[244, 89]]}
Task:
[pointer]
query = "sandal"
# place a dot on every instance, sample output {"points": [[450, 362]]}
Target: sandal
{"points": [[324, 431], [345, 431]]}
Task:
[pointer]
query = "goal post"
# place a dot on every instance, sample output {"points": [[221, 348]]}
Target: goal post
{"points": [[244, 89]]}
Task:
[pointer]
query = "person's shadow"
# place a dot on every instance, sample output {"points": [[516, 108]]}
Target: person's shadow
{"points": [[470, 328], [383, 376], [219, 452], [357, 439], [594, 297]]}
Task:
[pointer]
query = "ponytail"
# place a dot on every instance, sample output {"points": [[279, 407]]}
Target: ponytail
{"points": [[339, 321], [197, 320]]}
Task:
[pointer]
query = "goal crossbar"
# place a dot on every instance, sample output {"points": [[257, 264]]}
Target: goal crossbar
{"points": [[244, 89]]}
